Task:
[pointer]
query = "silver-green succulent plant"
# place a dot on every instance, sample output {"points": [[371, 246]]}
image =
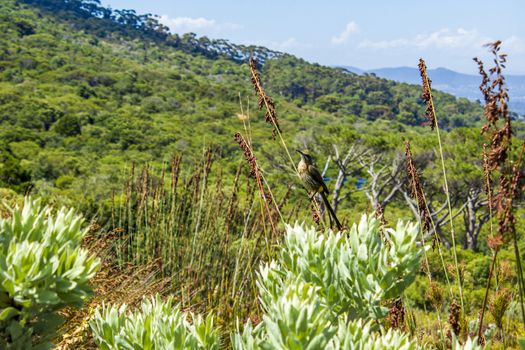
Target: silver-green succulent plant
{"points": [[42, 269], [156, 324]]}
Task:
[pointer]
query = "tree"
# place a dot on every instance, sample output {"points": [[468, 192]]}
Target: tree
{"points": [[475, 215], [12, 174], [386, 177], [343, 171]]}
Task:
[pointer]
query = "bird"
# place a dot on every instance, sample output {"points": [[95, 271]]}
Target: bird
{"points": [[314, 183]]}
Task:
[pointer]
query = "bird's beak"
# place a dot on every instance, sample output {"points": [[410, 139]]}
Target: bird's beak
{"points": [[299, 152]]}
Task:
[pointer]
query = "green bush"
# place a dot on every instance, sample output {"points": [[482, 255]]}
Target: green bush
{"points": [[354, 273], [43, 269], [327, 289], [156, 325]]}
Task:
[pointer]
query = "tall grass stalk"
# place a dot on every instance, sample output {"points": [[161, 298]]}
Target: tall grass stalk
{"points": [[419, 196], [431, 113], [495, 249], [206, 239], [271, 117]]}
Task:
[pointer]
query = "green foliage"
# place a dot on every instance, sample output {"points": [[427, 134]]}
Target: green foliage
{"points": [[156, 325], [13, 174], [300, 321], [355, 274], [369, 97], [470, 344], [86, 91], [121, 88], [322, 287], [43, 270]]}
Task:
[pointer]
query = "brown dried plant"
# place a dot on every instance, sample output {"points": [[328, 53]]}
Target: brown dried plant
{"points": [[499, 305], [417, 189], [496, 97], [264, 99], [380, 215], [504, 272], [255, 173], [248, 154], [495, 93], [427, 94], [315, 212], [462, 269], [430, 114], [435, 295], [454, 319], [396, 314]]}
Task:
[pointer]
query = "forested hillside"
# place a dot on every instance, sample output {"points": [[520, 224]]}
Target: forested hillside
{"points": [[85, 92], [148, 134]]}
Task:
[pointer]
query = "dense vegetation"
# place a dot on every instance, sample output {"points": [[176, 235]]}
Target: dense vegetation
{"points": [[108, 112], [75, 107]]}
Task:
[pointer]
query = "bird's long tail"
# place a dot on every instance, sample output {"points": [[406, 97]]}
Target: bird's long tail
{"points": [[331, 211]]}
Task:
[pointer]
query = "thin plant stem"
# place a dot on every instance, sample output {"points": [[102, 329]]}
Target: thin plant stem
{"points": [[515, 239], [426, 259], [447, 192], [440, 251], [199, 212], [418, 193], [494, 254], [485, 298]]}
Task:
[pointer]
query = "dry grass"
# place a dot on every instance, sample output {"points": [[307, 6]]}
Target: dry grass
{"points": [[115, 284]]}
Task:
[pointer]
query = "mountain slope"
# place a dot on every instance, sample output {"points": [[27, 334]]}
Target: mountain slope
{"points": [[458, 84], [83, 96]]}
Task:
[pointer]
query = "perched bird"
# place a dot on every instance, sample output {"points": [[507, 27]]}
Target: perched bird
{"points": [[313, 181]]}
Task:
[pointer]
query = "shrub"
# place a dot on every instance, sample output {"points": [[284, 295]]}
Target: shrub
{"points": [[327, 289], [156, 325], [353, 273], [43, 269]]}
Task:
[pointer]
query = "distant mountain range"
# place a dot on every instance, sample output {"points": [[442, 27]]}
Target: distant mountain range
{"points": [[458, 84]]}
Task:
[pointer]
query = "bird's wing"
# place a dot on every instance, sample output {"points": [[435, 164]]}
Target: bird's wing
{"points": [[317, 177]]}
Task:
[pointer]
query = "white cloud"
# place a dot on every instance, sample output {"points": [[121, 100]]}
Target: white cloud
{"points": [[351, 28], [291, 43], [185, 24], [513, 44], [199, 25], [285, 46], [442, 39]]}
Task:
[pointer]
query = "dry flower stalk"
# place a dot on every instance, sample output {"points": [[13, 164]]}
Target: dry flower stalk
{"points": [[248, 154], [496, 107], [255, 173], [499, 305], [380, 215], [454, 319], [264, 99], [417, 189], [396, 314], [495, 93], [427, 94], [315, 212], [435, 295]]}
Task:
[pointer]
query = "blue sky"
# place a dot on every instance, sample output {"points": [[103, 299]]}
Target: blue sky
{"points": [[365, 34]]}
